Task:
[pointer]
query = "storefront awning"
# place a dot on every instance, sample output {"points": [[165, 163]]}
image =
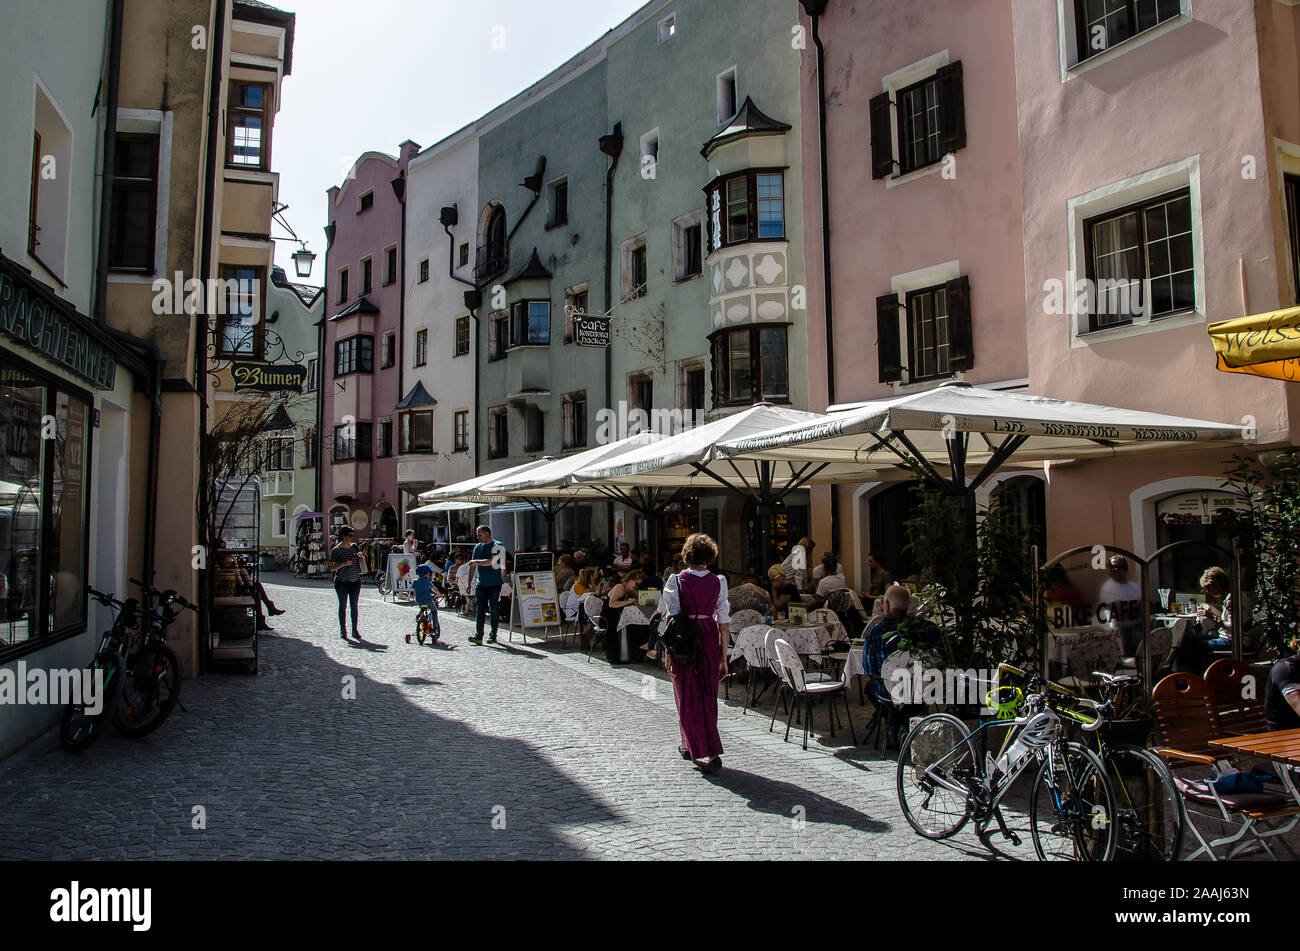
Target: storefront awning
{"points": [[1266, 345]]}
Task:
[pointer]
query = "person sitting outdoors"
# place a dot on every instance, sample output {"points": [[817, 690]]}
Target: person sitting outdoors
{"points": [[748, 596], [1214, 625], [886, 631], [820, 571], [1282, 694], [650, 579], [622, 595], [783, 592], [623, 560], [832, 583], [565, 573], [879, 578]]}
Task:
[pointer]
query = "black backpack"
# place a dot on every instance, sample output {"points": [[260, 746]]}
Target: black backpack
{"points": [[681, 635]]}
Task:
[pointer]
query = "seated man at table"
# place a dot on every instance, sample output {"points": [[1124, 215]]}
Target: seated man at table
{"points": [[832, 583], [748, 596], [882, 637], [1214, 624], [783, 592], [1282, 694], [651, 577]]}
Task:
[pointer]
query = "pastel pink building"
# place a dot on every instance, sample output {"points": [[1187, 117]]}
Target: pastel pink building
{"points": [[923, 172], [1056, 197], [361, 361], [1159, 151]]}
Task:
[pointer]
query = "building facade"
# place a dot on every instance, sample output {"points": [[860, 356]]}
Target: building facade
{"points": [[362, 344], [1159, 162], [925, 225]]}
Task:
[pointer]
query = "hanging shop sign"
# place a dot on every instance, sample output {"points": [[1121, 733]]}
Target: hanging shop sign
{"points": [[42, 322], [268, 377], [591, 331]]}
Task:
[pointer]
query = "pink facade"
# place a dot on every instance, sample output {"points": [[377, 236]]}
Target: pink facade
{"points": [[1204, 105], [899, 233], [359, 475]]}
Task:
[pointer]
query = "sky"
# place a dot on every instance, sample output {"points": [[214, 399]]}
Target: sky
{"points": [[369, 75]]}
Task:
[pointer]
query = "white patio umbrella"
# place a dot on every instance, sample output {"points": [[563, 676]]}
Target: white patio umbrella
{"points": [[468, 490], [687, 461], [974, 432]]}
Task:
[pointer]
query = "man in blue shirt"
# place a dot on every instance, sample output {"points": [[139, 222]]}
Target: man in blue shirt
{"points": [[881, 639], [489, 562]]}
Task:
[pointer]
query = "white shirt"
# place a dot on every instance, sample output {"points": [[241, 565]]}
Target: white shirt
{"points": [[796, 566], [820, 571], [670, 602]]}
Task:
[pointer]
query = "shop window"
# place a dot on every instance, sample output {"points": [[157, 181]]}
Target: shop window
{"points": [[22, 501]]}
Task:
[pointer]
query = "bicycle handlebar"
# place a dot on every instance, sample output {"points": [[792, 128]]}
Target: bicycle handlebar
{"points": [[169, 596]]}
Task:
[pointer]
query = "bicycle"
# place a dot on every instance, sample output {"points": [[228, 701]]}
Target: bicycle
{"points": [[152, 686], [79, 728], [1071, 802], [1152, 815], [426, 628]]}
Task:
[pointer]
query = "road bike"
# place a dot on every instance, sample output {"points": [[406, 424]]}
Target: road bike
{"points": [[943, 782], [152, 685], [80, 727], [1152, 816]]}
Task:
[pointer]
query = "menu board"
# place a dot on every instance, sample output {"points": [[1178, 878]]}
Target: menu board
{"points": [[535, 594], [401, 573]]}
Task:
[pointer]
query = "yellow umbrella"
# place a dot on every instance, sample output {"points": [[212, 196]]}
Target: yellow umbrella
{"points": [[1265, 345]]}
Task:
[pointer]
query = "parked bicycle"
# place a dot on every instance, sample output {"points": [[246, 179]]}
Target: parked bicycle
{"points": [[1152, 816], [80, 727], [152, 686], [943, 782]]}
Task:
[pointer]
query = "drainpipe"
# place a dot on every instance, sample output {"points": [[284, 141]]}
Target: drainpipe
{"points": [[815, 9], [611, 145], [201, 335], [330, 230], [100, 305], [399, 189]]}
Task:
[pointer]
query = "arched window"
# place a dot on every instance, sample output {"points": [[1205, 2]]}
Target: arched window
{"points": [[493, 256]]}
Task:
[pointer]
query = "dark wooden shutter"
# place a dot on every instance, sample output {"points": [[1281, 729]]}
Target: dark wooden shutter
{"points": [[882, 136], [952, 108], [887, 339], [961, 351]]}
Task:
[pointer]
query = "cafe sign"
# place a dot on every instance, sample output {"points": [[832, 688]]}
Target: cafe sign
{"points": [[591, 331], [268, 377], [43, 323]]}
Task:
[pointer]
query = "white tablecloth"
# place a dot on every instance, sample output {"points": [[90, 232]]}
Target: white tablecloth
{"points": [[805, 640], [632, 615]]}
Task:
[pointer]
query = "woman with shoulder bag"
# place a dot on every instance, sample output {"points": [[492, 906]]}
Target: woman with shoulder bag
{"points": [[702, 595]]}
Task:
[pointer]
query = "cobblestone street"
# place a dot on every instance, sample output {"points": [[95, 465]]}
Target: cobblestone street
{"points": [[576, 760]]}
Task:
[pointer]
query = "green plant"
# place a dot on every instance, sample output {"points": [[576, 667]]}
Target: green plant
{"points": [[977, 578], [1269, 533]]}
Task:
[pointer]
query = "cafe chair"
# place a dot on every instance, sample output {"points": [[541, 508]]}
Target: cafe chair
{"points": [[568, 603], [1185, 710], [593, 605], [745, 618], [806, 691]]}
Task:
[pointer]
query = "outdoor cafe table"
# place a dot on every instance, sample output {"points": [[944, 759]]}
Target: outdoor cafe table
{"points": [[806, 640], [1281, 746]]}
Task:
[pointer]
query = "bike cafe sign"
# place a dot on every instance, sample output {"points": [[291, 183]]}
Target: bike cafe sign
{"points": [[268, 377]]}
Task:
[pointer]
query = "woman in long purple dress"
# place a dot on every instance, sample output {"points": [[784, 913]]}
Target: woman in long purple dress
{"points": [[703, 595]]}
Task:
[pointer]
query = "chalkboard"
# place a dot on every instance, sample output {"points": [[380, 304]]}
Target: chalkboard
{"points": [[709, 523], [534, 561]]}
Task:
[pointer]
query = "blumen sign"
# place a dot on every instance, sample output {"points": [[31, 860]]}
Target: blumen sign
{"points": [[268, 377]]}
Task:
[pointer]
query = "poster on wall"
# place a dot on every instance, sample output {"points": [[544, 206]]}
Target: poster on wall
{"points": [[620, 526]]}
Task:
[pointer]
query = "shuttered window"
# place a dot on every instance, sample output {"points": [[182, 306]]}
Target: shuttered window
{"points": [[938, 333], [927, 120]]}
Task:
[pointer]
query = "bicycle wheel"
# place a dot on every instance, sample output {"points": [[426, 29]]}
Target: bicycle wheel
{"points": [[1072, 806], [150, 689], [419, 631], [381, 581], [1151, 814], [936, 765], [80, 728]]}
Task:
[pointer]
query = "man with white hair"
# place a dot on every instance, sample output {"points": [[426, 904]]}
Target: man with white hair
{"points": [[882, 637]]}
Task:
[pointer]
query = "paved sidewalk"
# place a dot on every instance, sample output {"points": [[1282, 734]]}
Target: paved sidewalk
{"points": [[453, 752]]}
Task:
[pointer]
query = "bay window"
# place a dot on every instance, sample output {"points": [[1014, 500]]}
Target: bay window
{"points": [[751, 364], [747, 206], [417, 432]]}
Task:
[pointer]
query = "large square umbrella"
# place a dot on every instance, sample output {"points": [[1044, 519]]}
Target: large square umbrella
{"points": [[1266, 345]]}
